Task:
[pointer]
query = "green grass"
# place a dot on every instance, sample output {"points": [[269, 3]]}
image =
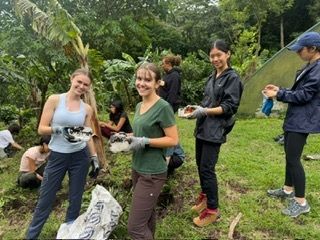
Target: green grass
{"points": [[249, 164]]}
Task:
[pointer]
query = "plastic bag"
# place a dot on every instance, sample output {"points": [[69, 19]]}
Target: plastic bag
{"points": [[97, 222]]}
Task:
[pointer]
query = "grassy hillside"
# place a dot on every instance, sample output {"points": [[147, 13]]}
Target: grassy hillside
{"points": [[249, 164]]}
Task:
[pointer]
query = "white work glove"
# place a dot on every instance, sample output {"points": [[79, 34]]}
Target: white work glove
{"points": [[136, 143]]}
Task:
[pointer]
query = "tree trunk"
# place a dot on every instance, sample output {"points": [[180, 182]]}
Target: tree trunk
{"points": [[281, 32], [259, 39], [43, 89]]}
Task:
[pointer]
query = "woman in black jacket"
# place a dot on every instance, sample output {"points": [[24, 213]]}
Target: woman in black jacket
{"points": [[302, 118], [215, 119], [171, 84]]}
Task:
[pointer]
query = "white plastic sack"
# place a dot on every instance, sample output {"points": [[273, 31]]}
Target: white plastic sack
{"points": [[97, 222]]}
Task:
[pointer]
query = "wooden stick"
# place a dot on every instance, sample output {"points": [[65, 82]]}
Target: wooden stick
{"points": [[233, 225]]}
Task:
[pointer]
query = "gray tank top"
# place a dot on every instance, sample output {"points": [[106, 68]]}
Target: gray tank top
{"points": [[63, 117]]}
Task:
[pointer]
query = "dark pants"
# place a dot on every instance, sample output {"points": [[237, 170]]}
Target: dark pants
{"points": [[175, 107], [174, 162], [29, 179], [295, 176], [77, 165], [106, 132], [7, 152], [207, 154], [142, 215]]}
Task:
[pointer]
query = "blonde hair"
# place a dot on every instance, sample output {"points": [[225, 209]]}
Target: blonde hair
{"points": [[82, 71]]}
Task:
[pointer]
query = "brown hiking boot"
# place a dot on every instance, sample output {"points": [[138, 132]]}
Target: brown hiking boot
{"points": [[201, 203], [207, 217]]}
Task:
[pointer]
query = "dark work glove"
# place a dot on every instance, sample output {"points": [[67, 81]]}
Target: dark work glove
{"points": [[95, 168]]}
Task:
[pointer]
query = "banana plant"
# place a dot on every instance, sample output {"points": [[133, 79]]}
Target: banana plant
{"points": [[57, 25]]}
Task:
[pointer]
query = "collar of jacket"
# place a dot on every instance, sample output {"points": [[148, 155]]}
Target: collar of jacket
{"points": [[304, 70], [226, 71], [175, 68]]}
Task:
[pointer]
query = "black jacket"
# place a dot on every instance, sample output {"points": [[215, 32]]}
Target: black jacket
{"points": [[303, 113], [224, 91], [171, 91]]}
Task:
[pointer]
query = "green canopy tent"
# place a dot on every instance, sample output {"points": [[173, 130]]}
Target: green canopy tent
{"points": [[279, 70]]}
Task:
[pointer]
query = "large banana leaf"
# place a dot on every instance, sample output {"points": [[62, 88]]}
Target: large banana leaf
{"points": [[56, 24]]}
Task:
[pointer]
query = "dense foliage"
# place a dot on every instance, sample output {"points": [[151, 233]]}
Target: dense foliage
{"points": [[123, 33]]}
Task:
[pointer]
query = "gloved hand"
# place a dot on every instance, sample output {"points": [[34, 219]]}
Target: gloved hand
{"points": [[57, 130], [136, 143], [95, 168], [77, 134], [199, 112], [65, 131]]}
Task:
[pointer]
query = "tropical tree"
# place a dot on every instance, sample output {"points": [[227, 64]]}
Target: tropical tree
{"points": [[314, 9], [57, 25], [279, 8]]}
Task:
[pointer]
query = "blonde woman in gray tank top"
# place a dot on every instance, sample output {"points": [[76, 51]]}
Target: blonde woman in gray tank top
{"points": [[61, 111]]}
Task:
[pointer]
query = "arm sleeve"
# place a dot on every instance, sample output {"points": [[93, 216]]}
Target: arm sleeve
{"points": [[305, 93], [174, 87], [167, 117], [232, 95]]}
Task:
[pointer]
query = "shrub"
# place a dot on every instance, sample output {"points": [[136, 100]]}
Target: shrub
{"points": [[195, 72], [8, 113], [28, 135]]}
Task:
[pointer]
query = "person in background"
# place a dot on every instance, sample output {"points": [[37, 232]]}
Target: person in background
{"points": [[118, 120], [32, 164], [60, 112], [7, 142], [154, 130], [302, 118], [215, 119], [170, 89]]}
